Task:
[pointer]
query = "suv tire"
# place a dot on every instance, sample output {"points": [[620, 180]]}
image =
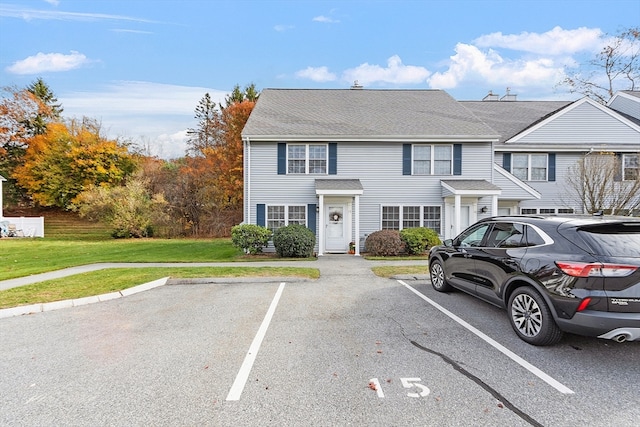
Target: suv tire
{"points": [[531, 317], [438, 281]]}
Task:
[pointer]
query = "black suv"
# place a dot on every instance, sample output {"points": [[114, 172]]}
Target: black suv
{"points": [[553, 274]]}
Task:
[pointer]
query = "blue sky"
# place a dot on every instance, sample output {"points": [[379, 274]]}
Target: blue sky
{"points": [[142, 66]]}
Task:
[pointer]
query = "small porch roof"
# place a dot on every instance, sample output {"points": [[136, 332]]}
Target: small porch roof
{"points": [[342, 187], [469, 187]]}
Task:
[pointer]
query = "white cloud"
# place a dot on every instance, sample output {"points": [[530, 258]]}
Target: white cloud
{"points": [[282, 28], [395, 73], [53, 2], [45, 62], [470, 64], [27, 14], [151, 114], [325, 20], [316, 74], [557, 41]]}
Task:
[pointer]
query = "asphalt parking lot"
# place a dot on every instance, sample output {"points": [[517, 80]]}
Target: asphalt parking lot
{"points": [[347, 349]]}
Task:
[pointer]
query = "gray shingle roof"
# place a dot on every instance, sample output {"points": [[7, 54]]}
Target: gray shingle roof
{"points": [[509, 118], [338, 184], [470, 184], [362, 114]]}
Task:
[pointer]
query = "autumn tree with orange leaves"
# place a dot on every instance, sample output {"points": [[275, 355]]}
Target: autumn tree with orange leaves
{"points": [[64, 161], [24, 113], [214, 170]]}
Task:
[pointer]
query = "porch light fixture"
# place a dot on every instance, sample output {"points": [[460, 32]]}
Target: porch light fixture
{"points": [[484, 209]]}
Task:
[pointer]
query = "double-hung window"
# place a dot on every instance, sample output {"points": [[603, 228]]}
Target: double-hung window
{"points": [[307, 158], [631, 167], [432, 159], [280, 216], [400, 217], [529, 167]]}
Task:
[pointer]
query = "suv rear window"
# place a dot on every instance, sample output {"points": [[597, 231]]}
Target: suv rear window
{"points": [[617, 239]]}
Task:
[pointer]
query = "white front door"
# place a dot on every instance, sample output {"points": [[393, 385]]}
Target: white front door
{"points": [[465, 220], [335, 236]]}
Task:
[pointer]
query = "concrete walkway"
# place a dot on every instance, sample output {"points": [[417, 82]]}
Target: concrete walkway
{"points": [[329, 265]]}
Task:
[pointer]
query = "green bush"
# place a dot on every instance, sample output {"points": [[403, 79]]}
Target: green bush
{"points": [[250, 238], [419, 239], [384, 243], [294, 241]]}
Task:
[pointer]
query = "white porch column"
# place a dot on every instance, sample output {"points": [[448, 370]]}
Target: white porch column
{"points": [[320, 225], [494, 205], [356, 213], [456, 215]]}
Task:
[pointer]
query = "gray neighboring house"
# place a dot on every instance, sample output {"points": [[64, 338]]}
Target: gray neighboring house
{"points": [[541, 153], [348, 162]]}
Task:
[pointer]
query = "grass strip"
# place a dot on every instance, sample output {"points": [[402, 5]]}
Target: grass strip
{"points": [[394, 270], [117, 279]]}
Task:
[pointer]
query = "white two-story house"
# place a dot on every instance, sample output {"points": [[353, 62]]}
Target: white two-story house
{"points": [[347, 162]]}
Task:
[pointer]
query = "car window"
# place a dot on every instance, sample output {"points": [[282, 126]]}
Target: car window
{"points": [[614, 239], [507, 235], [533, 238], [473, 236]]}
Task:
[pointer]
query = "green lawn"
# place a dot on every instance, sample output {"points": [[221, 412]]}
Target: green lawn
{"points": [[70, 241]]}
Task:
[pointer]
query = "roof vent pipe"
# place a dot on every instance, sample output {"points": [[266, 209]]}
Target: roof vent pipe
{"points": [[491, 97], [356, 85], [508, 96]]}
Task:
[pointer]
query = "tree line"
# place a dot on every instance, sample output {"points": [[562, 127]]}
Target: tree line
{"points": [[69, 164]]}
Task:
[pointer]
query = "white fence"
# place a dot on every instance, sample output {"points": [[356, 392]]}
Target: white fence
{"points": [[26, 226]]}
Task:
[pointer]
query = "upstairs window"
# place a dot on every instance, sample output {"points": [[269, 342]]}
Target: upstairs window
{"points": [[432, 159], [529, 167], [307, 158]]}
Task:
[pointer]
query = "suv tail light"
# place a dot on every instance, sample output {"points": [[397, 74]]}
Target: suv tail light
{"points": [[583, 269]]}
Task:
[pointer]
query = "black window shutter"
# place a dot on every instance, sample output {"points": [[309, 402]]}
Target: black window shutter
{"points": [[333, 158], [406, 159], [311, 217], [506, 161], [457, 159], [619, 167], [552, 166], [260, 214], [282, 158]]}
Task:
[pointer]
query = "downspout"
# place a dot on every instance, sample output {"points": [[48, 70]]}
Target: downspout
{"points": [[247, 182]]}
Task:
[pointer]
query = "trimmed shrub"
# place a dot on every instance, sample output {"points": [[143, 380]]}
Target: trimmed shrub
{"points": [[384, 243], [294, 241], [250, 238], [419, 239]]}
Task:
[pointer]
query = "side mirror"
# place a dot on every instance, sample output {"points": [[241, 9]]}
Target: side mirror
{"points": [[448, 243]]}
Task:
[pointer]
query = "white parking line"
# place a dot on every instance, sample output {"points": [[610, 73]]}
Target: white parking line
{"points": [[519, 360], [245, 369]]}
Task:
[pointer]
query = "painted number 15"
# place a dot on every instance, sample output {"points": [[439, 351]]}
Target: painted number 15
{"points": [[411, 383]]}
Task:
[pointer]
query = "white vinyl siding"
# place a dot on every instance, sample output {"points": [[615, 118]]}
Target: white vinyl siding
{"points": [[378, 166], [583, 126]]}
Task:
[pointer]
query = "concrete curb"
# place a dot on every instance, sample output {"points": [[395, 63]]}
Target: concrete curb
{"points": [[57, 305]]}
